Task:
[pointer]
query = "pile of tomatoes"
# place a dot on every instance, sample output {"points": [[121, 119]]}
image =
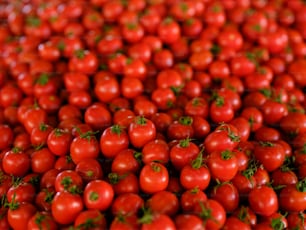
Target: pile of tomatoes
{"points": [[153, 114]]}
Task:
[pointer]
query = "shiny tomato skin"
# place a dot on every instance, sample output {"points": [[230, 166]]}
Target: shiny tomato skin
{"points": [[154, 177], [263, 200]]}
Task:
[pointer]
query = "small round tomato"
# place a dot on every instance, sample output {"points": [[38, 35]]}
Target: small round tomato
{"points": [[19, 217], [84, 146], [223, 165], [183, 153], [127, 204], [42, 160], [188, 221], [293, 197], [141, 131], [212, 213], [58, 141], [92, 219], [263, 200], [195, 175], [16, 162], [270, 155], [66, 207], [153, 177], [42, 220], [98, 194]]}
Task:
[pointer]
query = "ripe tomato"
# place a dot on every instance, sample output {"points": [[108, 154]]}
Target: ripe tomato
{"points": [[263, 200], [84, 146], [182, 153], [18, 217], [98, 194], [16, 162], [154, 221], [292, 197], [195, 175], [42, 220], [66, 207], [271, 155], [154, 177], [92, 219], [225, 137], [141, 131], [223, 165], [227, 195], [58, 141], [212, 213], [127, 204], [188, 221]]}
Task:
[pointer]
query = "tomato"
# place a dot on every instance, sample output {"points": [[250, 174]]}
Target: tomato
{"points": [[271, 155], [154, 177], [180, 129], [227, 194], [126, 161], [127, 204], [225, 137], [168, 30], [195, 175], [221, 110], [127, 222], [42, 160], [263, 200], [212, 213], [84, 146], [68, 180], [58, 141], [124, 183], [188, 221], [152, 221], [42, 220], [66, 207], [98, 194], [92, 219], [16, 162], [7, 137], [163, 202], [83, 61], [292, 197], [19, 216], [107, 88], [233, 222], [89, 169], [182, 153], [97, 116], [296, 220], [141, 131], [222, 161], [190, 198], [21, 192]]}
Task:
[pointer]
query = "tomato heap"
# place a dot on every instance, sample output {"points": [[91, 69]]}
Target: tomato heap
{"points": [[153, 114]]}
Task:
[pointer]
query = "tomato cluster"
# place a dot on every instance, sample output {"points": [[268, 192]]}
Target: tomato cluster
{"points": [[153, 114]]}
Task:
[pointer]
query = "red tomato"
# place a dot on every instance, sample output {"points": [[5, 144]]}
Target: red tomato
{"points": [[223, 165], [141, 131], [212, 213], [66, 207], [154, 177], [263, 200], [42, 220], [16, 162], [195, 175], [98, 194], [19, 217], [84, 146], [292, 197], [271, 155], [92, 219]]}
